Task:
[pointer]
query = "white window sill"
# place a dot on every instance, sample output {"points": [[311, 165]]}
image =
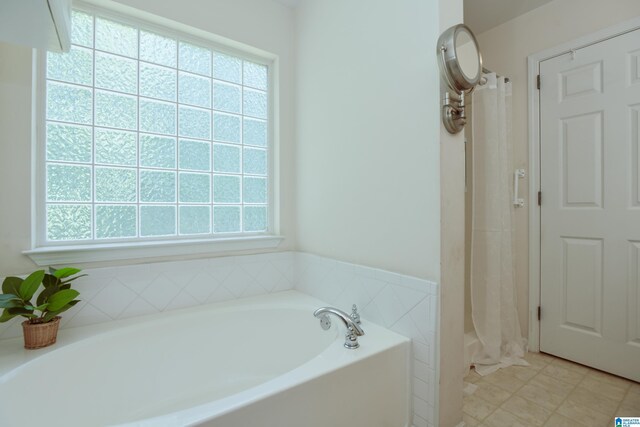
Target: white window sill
{"points": [[57, 255]]}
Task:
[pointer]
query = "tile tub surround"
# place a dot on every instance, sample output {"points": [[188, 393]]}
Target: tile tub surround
{"points": [[112, 293], [403, 304]]}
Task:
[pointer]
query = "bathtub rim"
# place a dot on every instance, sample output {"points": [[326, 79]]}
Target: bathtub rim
{"points": [[14, 358]]}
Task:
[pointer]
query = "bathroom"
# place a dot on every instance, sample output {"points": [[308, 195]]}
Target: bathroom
{"points": [[355, 195]]}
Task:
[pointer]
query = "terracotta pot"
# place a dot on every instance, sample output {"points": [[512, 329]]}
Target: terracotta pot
{"points": [[38, 335]]}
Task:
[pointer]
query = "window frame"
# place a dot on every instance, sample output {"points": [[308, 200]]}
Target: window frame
{"points": [[47, 252]]}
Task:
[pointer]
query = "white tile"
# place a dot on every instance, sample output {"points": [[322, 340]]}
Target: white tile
{"points": [[113, 299], [421, 314], [389, 306], [407, 327], [253, 289], [372, 313], [254, 269], [183, 272], [13, 329], [372, 286], [136, 277], [219, 295], [139, 307], [283, 286], [408, 297], [160, 292], [421, 389], [90, 286], [418, 421], [201, 286], [182, 300], [416, 284], [237, 282], [420, 370], [421, 352], [422, 408], [270, 277], [88, 315], [388, 276]]}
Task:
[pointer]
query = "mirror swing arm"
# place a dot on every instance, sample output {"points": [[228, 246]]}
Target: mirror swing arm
{"points": [[460, 82]]}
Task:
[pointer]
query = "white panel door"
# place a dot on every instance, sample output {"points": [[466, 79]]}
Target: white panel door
{"points": [[590, 213]]}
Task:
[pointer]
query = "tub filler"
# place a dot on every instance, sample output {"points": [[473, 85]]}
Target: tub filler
{"points": [[262, 361]]}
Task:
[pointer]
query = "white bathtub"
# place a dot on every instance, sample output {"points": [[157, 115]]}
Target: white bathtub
{"points": [[261, 361]]}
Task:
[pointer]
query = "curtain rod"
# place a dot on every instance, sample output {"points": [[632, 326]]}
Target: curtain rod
{"points": [[488, 71]]}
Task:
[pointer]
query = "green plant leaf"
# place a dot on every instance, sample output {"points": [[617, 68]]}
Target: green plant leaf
{"points": [[42, 307], [21, 311], [66, 272], [6, 316], [11, 285], [10, 301], [31, 285], [61, 298], [50, 280], [46, 294], [74, 278], [51, 314]]}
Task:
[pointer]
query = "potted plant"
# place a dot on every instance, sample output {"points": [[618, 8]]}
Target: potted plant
{"points": [[41, 327]]}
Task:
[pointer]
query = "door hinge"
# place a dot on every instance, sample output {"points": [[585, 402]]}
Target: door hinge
{"points": [[539, 198], [538, 82], [539, 311]]}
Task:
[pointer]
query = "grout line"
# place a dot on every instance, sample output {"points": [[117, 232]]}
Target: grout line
{"points": [[584, 375]]}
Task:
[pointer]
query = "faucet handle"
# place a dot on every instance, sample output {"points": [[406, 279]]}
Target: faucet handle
{"points": [[355, 316]]}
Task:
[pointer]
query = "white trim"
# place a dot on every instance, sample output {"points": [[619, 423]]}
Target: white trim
{"points": [[533, 64], [120, 251]]}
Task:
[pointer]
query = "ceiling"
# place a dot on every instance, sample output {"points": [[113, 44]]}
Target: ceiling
{"points": [[481, 15]]}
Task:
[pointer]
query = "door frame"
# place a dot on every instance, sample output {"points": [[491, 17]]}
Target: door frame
{"points": [[533, 69]]}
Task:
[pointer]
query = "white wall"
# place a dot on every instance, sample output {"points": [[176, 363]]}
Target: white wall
{"points": [[263, 24], [505, 50], [367, 134], [452, 257]]}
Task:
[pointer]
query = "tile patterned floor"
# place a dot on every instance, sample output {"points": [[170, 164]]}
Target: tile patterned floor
{"points": [[551, 392]]}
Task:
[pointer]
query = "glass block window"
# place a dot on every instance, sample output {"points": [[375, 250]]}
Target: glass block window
{"points": [[149, 135]]}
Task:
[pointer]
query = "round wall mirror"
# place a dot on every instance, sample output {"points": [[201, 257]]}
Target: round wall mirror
{"points": [[461, 67], [460, 59]]}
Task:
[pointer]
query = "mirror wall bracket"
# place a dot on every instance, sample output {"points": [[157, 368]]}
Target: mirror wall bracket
{"points": [[460, 64]]}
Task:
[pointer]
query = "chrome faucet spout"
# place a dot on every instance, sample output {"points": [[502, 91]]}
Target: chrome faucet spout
{"points": [[353, 329]]}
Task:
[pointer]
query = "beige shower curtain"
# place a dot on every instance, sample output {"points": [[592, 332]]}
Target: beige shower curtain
{"points": [[493, 296]]}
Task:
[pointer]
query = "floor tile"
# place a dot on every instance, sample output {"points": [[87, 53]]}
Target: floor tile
{"points": [[504, 380], [473, 377], [600, 388], [564, 374], [610, 379], [527, 411], [477, 407], [627, 410], [552, 385], [557, 420], [523, 373], [572, 366], [538, 360], [469, 421], [584, 415], [540, 396], [632, 398], [502, 418], [582, 396], [491, 393]]}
